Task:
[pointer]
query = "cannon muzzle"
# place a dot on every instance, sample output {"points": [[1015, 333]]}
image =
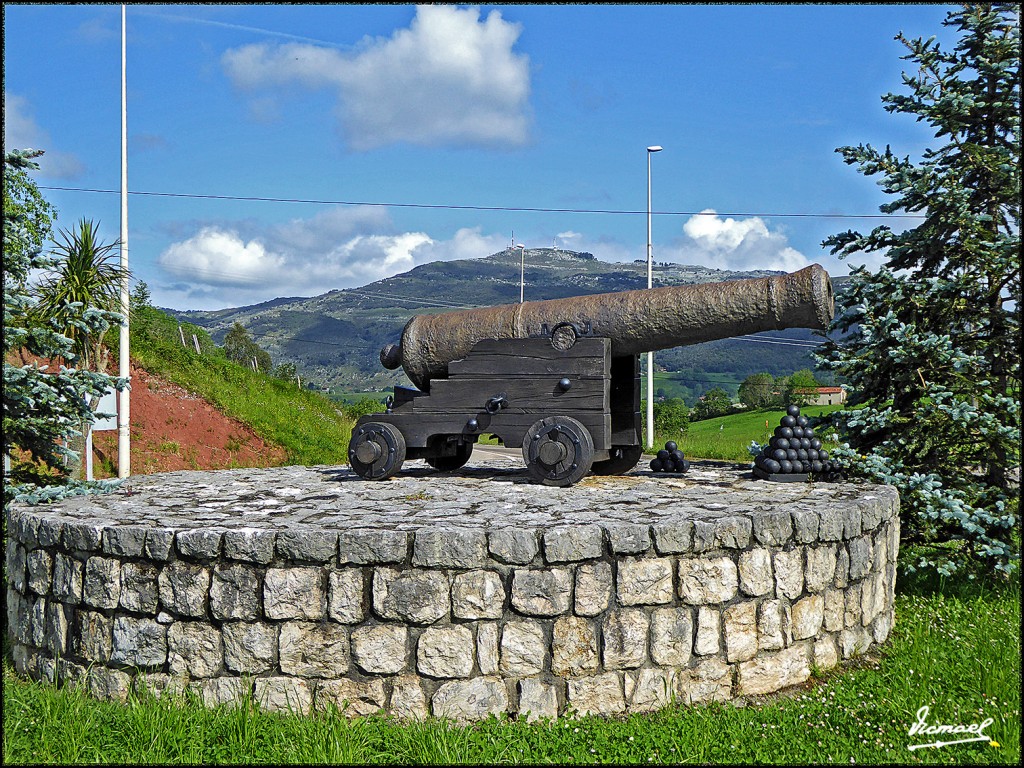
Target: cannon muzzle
{"points": [[637, 321]]}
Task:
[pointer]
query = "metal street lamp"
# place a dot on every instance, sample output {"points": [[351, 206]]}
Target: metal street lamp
{"points": [[522, 270], [650, 284]]}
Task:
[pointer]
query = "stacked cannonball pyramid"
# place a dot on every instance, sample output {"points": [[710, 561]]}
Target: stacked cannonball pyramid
{"points": [[670, 459], [793, 452]]}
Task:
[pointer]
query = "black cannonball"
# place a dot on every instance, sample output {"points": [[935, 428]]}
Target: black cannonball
{"points": [[676, 454], [815, 442], [801, 454], [779, 442], [809, 432], [772, 466], [793, 410], [823, 455], [663, 454], [802, 421], [791, 454], [671, 446], [779, 454], [786, 432], [686, 465], [816, 466], [786, 466], [813, 455], [798, 432], [787, 421], [656, 465], [804, 443]]}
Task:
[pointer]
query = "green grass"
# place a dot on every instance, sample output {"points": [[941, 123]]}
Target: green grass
{"points": [[956, 651], [726, 437], [310, 427], [355, 396]]}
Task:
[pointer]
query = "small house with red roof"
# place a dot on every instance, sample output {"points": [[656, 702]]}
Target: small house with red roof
{"points": [[824, 395]]}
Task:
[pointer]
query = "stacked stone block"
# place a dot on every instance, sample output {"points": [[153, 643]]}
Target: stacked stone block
{"points": [[454, 622]]}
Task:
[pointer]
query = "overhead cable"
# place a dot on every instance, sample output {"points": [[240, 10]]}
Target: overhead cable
{"points": [[508, 208]]}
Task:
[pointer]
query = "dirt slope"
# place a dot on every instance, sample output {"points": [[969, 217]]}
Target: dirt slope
{"points": [[174, 429]]}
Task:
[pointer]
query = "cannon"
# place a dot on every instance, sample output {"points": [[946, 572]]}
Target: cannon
{"points": [[560, 378]]}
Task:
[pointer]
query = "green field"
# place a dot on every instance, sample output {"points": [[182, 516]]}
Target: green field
{"points": [[955, 649], [726, 437]]}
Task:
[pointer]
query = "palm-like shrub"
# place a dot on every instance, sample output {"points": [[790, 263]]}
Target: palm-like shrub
{"points": [[85, 275]]}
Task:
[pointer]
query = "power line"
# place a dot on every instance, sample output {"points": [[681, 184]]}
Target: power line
{"points": [[784, 338], [809, 345], [504, 208]]}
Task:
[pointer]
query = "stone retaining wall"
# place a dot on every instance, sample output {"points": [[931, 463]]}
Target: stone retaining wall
{"points": [[704, 601]]}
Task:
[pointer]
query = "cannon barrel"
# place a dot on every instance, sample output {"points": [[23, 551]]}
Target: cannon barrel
{"points": [[636, 321]]}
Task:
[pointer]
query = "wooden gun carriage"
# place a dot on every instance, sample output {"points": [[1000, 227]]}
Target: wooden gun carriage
{"points": [[560, 378]]}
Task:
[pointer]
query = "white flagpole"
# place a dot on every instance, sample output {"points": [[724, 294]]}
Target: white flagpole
{"points": [[124, 370]]}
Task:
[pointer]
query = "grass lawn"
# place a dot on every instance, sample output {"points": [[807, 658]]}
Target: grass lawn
{"points": [[955, 650], [726, 437]]}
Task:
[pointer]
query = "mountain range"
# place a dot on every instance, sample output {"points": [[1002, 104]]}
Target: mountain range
{"points": [[334, 338]]}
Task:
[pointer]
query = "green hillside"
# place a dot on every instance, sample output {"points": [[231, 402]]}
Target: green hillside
{"points": [[311, 428], [334, 339]]}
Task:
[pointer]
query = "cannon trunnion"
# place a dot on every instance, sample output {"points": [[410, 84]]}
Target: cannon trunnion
{"points": [[573, 410]]}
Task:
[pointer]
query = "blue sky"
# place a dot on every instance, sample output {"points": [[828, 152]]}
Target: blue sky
{"points": [[522, 106]]}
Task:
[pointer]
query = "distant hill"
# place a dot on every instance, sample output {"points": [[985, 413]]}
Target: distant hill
{"points": [[334, 339]]}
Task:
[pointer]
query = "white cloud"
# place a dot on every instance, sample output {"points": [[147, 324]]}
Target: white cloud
{"points": [[466, 243], [22, 132], [221, 257], [735, 244], [233, 264], [449, 79]]}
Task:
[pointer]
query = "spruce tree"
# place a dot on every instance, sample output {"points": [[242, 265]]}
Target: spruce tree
{"points": [[931, 349], [43, 410]]}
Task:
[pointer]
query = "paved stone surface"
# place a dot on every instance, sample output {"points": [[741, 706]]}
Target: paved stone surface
{"points": [[499, 496], [455, 594]]}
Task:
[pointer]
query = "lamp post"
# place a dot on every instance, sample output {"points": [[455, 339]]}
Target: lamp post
{"points": [[522, 270], [650, 284]]}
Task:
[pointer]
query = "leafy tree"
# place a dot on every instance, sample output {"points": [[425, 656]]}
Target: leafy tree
{"points": [[286, 372], [42, 410], [671, 418], [799, 388], [362, 407], [240, 347], [140, 297], [715, 402], [933, 357], [757, 390], [85, 275]]}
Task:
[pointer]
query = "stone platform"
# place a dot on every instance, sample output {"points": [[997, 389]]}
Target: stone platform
{"points": [[457, 595]]}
